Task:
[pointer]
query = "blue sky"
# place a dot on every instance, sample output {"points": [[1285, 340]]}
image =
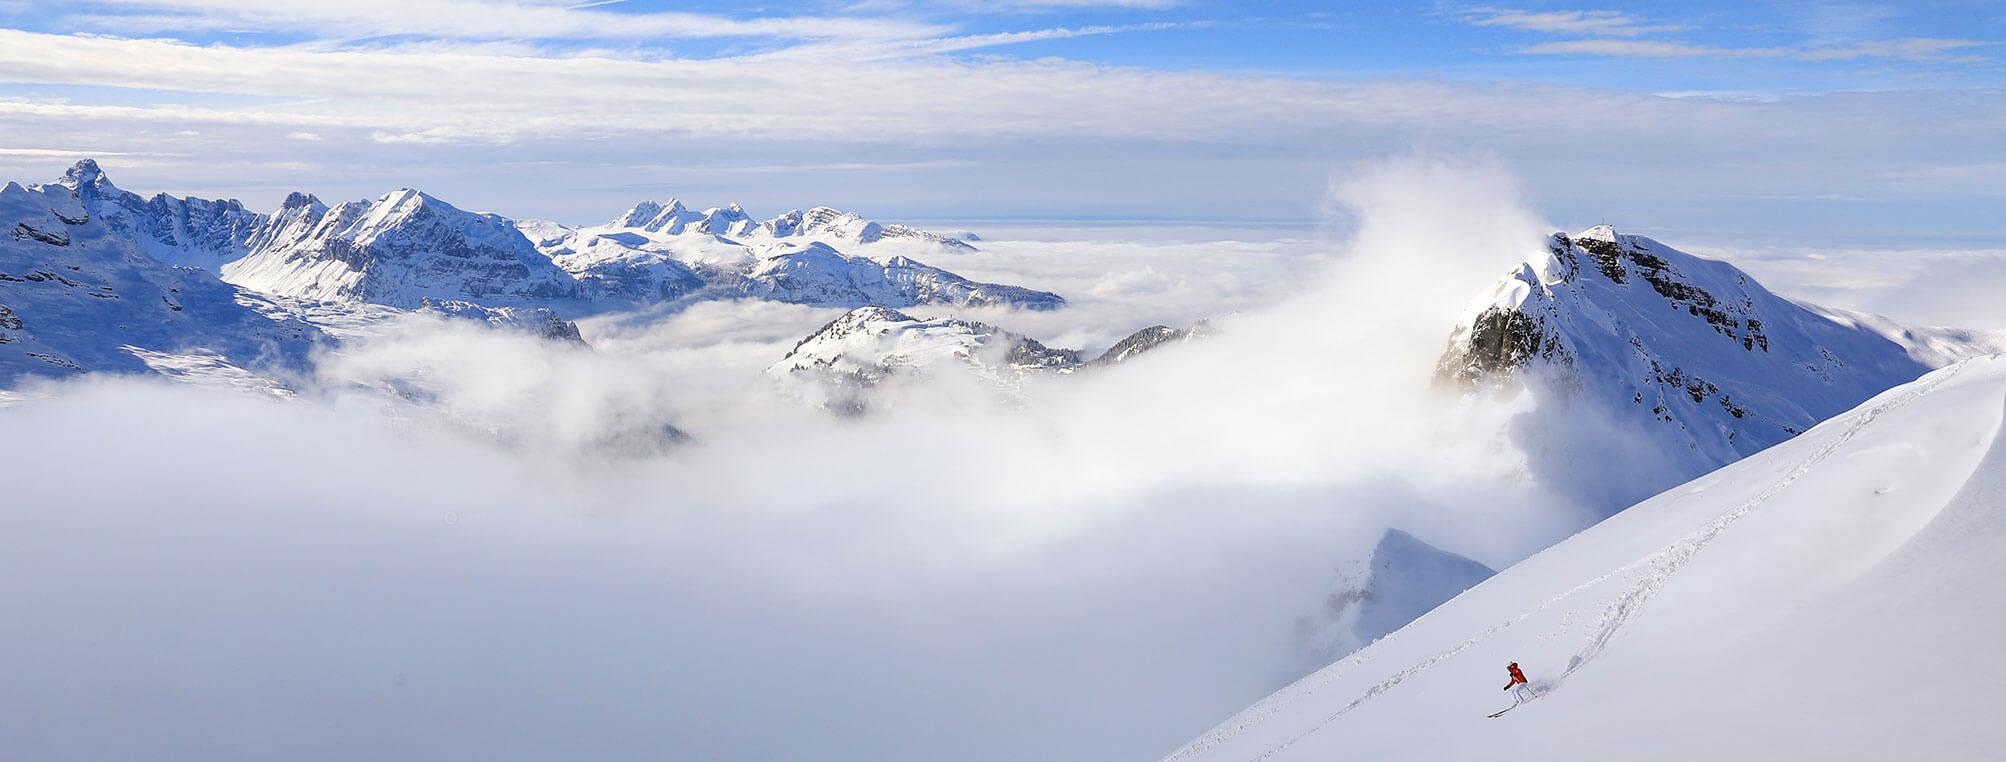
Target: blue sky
{"points": [[1779, 119]]}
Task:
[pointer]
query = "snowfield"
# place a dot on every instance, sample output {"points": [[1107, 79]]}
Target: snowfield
{"points": [[1835, 597]]}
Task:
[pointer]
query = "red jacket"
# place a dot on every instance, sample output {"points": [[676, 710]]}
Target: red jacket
{"points": [[1516, 676]]}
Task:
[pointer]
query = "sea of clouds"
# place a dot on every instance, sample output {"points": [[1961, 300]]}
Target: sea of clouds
{"points": [[457, 543]]}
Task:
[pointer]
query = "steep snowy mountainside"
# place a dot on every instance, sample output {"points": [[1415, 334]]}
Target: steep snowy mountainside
{"points": [[1402, 579], [1704, 361], [79, 294], [397, 250], [1834, 597]]}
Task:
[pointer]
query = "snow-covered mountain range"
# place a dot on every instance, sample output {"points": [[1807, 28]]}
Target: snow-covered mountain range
{"points": [[1691, 360], [406, 246], [1834, 597], [240, 287]]}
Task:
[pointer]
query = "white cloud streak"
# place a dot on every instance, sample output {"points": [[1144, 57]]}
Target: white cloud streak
{"points": [[1582, 22], [1917, 49], [483, 19]]}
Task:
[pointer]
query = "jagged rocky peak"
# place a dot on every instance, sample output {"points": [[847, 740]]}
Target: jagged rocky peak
{"points": [[1708, 364], [85, 174]]}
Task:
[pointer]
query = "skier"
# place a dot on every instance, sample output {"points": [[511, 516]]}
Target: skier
{"points": [[1518, 685]]}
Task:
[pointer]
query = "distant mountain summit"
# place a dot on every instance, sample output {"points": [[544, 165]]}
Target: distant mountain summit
{"points": [[821, 223], [841, 362], [821, 257], [1693, 362]]}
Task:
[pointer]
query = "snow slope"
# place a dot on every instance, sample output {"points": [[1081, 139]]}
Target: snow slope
{"points": [[1834, 598]]}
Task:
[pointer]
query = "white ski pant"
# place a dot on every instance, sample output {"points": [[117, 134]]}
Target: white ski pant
{"points": [[1520, 693]]}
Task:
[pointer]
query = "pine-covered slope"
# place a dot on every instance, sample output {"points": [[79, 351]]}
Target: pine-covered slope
{"points": [[79, 292]]}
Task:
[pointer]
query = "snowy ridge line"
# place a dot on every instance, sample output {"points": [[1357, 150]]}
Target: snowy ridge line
{"points": [[1667, 561]]}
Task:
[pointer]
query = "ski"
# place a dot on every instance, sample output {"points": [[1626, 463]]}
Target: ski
{"points": [[1506, 709]]}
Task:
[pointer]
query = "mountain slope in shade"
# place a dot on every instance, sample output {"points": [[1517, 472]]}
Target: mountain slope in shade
{"points": [[1834, 597], [78, 293], [1402, 579], [1699, 358]]}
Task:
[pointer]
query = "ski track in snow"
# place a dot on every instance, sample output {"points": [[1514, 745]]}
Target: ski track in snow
{"points": [[1650, 574]]}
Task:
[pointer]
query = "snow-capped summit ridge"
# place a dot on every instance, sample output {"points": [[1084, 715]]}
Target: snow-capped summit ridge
{"points": [[1707, 364]]}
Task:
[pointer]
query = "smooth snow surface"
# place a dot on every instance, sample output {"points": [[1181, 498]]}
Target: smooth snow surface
{"points": [[1833, 598]]}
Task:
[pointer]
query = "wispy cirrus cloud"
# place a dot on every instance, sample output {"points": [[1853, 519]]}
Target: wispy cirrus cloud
{"points": [[1910, 49], [1579, 22], [483, 20]]}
